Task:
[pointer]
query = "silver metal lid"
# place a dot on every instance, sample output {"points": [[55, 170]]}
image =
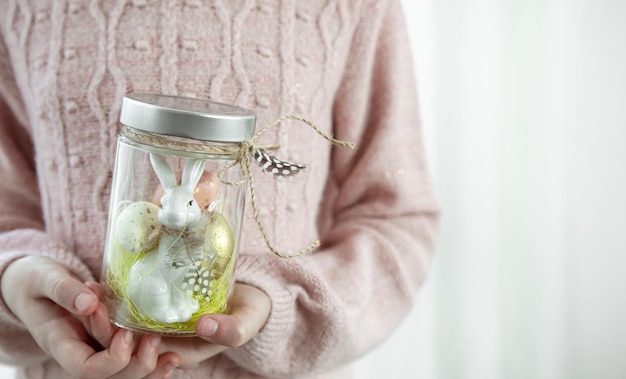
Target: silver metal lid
{"points": [[186, 117]]}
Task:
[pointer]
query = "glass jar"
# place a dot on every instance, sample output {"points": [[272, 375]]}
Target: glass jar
{"points": [[175, 214]]}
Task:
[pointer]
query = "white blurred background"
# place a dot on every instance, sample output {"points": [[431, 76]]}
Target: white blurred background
{"points": [[524, 110], [524, 105]]}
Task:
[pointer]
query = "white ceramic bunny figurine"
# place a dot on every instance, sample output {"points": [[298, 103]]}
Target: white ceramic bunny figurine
{"points": [[158, 281]]}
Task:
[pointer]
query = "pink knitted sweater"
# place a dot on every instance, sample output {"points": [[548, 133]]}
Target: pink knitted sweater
{"points": [[64, 67]]}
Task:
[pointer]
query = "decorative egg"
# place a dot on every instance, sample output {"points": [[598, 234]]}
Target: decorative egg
{"points": [[219, 243], [137, 228], [204, 193], [206, 190]]}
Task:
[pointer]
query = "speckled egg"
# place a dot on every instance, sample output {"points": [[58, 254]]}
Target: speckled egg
{"points": [[137, 228]]}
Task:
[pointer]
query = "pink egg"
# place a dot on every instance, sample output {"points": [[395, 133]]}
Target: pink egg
{"points": [[206, 190], [204, 193]]}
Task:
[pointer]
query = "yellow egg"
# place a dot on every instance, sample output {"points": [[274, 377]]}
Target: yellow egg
{"points": [[219, 244], [137, 228]]}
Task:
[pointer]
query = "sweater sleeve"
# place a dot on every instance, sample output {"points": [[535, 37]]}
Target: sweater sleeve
{"points": [[22, 230], [378, 232]]}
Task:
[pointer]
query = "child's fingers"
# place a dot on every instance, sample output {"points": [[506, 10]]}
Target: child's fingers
{"points": [[65, 290], [223, 330], [144, 361], [96, 288], [166, 363], [123, 358], [100, 327], [47, 278], [147, 363], [250, 310], [114, 359], [83, 362]]}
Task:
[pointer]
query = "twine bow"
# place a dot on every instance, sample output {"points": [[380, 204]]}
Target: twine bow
{"points": [[245, 152], [249, 149]]}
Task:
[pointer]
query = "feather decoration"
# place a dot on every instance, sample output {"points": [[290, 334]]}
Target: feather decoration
{"points": [[276, 166]]}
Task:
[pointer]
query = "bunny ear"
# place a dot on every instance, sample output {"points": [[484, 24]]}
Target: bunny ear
{"points": [[163, 171], [192, 173]]}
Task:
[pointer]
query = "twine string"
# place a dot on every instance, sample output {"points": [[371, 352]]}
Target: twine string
{"points": [[247, 172], [244, 159], [243, 153]]}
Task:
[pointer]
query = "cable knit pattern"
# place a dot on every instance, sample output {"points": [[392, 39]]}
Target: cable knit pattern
{"points": [[64, 67]]}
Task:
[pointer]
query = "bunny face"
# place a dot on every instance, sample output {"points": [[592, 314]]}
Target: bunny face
{"points": [[204, 193], [179, 209]]}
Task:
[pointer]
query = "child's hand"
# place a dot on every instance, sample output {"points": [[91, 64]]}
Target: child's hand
{"points": [[249, 310], [58, 310]]}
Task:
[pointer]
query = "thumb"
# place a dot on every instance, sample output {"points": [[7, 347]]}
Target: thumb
{"points": [[250, 309], [63, 288]]}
